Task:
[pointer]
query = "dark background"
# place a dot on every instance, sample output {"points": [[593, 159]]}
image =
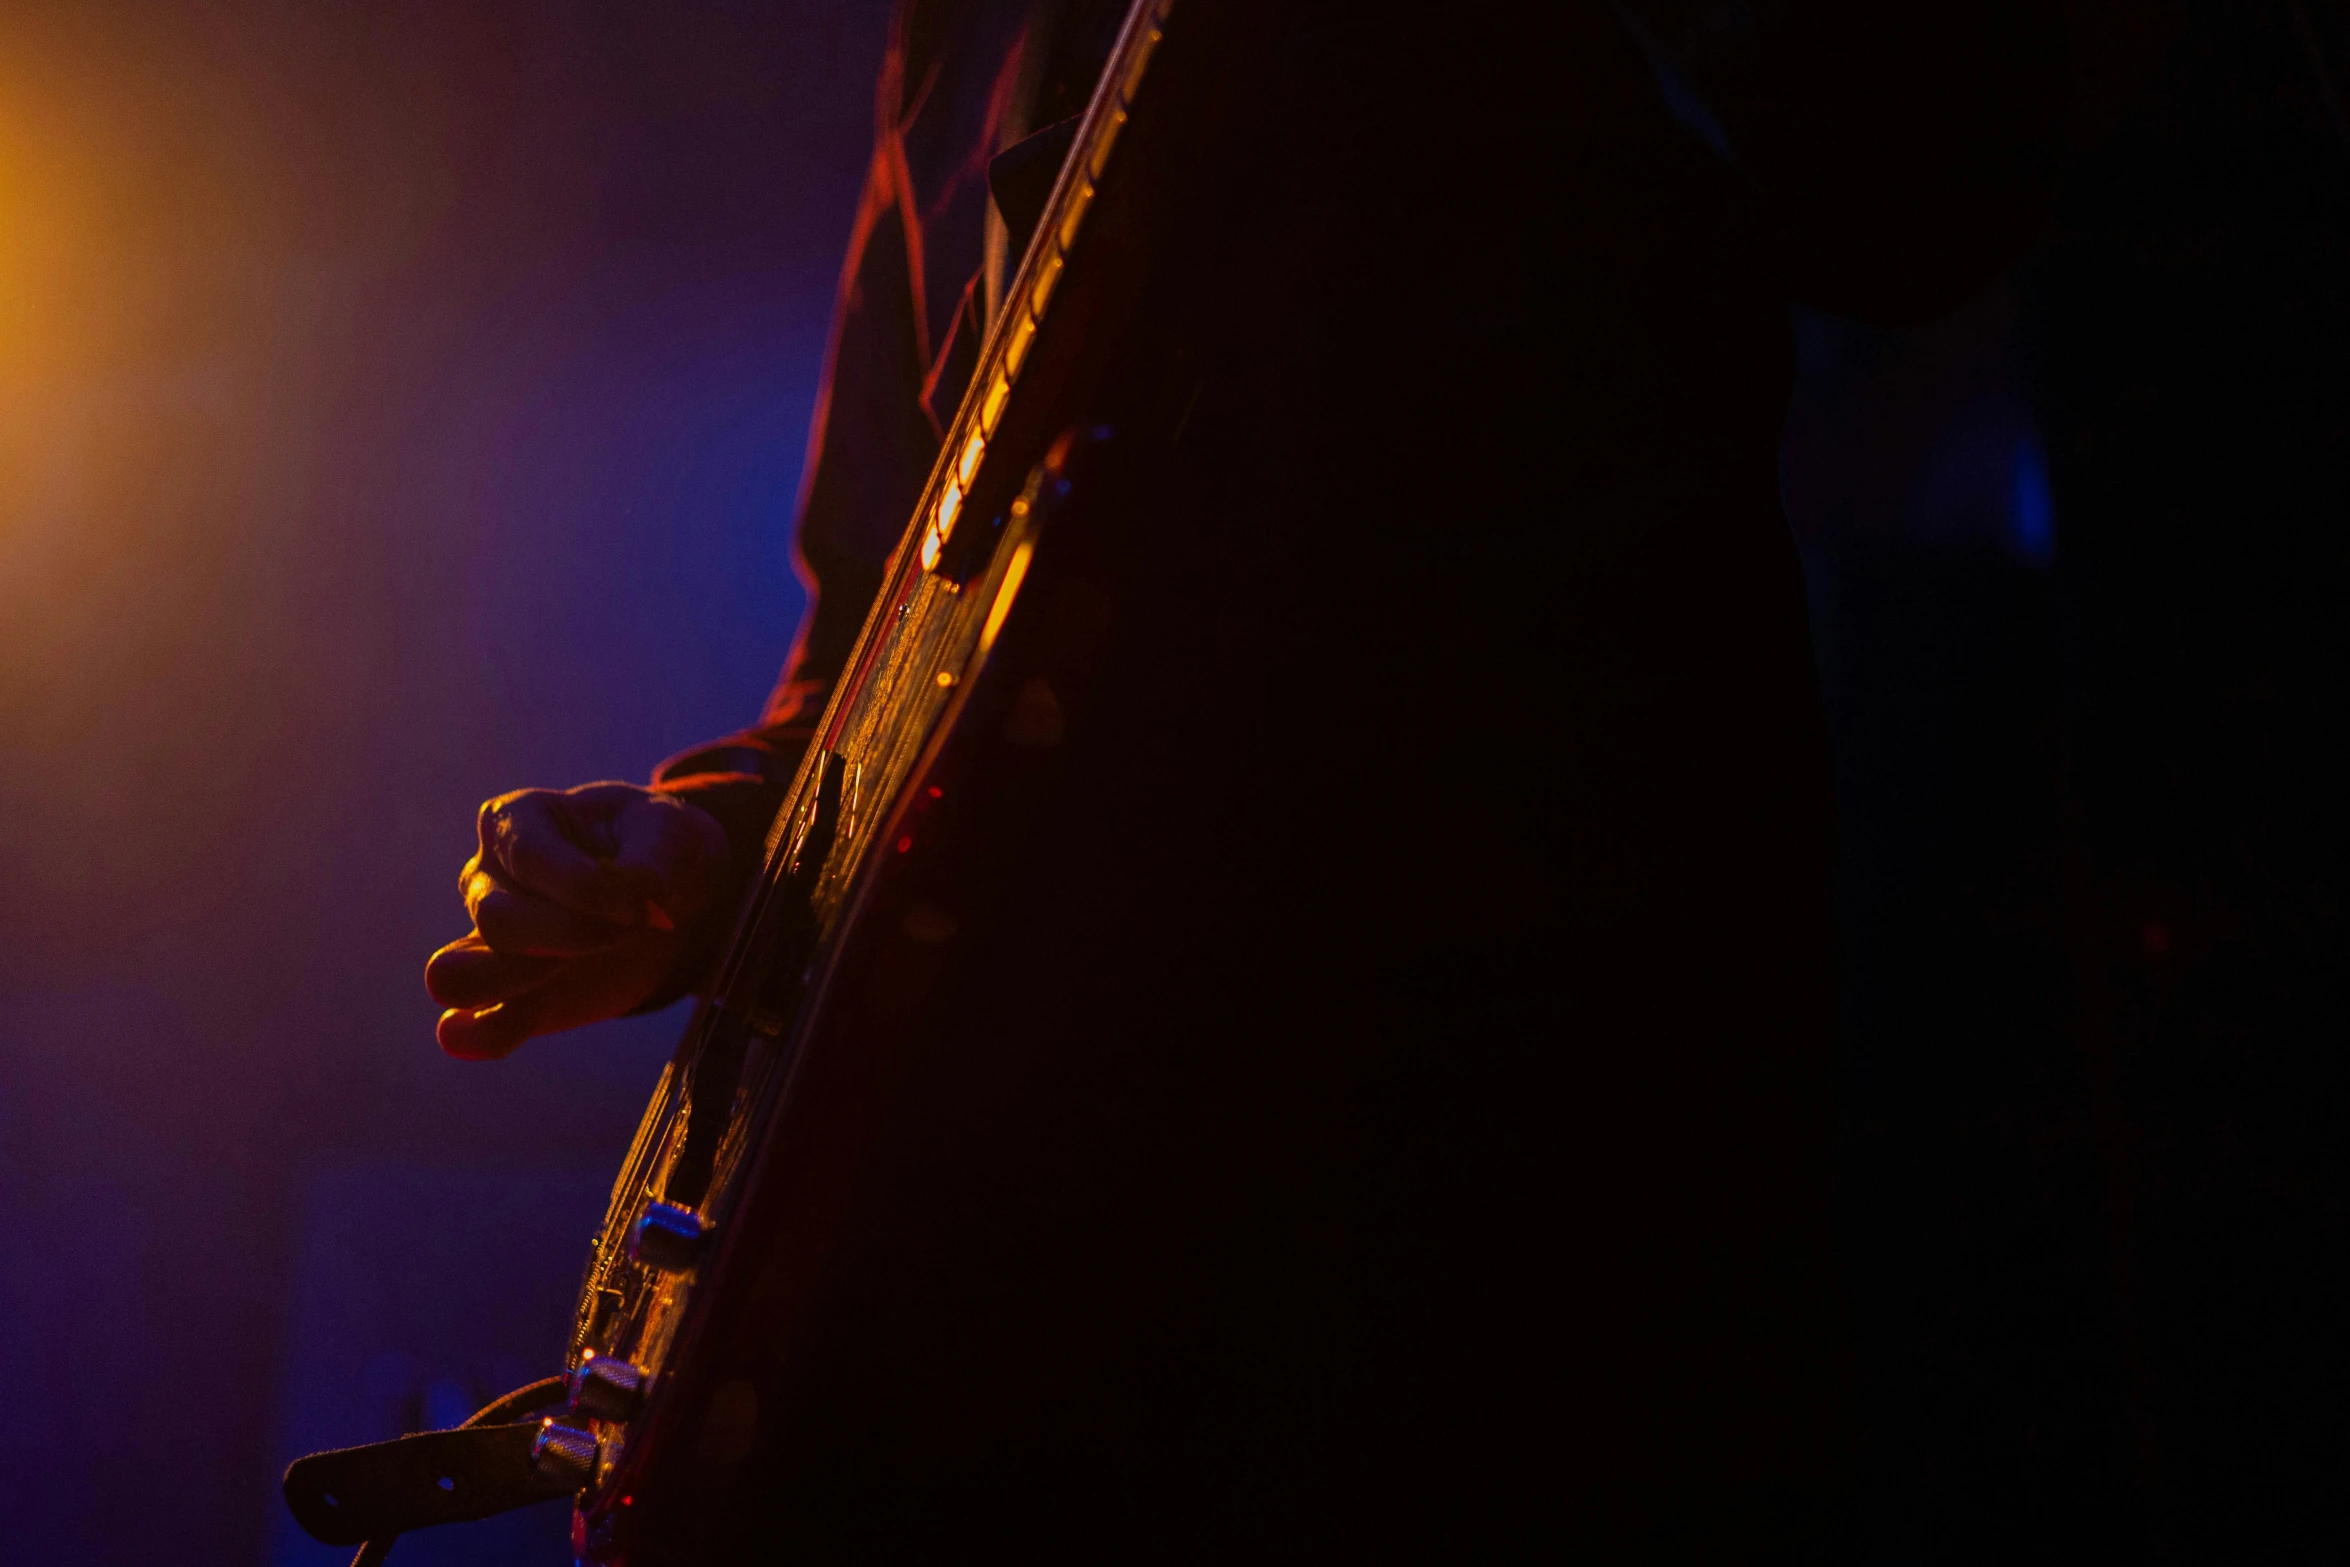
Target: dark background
{"points": [[2092, 797], [403, 403]]}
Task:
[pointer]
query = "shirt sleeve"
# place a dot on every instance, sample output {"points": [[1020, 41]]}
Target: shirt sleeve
{"points": [[870, 446]]}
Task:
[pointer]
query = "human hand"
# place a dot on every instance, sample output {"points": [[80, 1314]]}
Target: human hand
{"points": [[581, 901]]}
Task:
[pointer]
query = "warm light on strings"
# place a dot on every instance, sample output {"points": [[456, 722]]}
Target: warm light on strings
{"points": [[1018, 335]]}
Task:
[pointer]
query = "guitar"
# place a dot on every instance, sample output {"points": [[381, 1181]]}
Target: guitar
{"points": [[885, 863]]}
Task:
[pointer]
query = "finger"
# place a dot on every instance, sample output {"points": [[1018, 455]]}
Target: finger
{"points": [[578, 993], [675, 854], [557, 845], [523, 924], [470, 973]]}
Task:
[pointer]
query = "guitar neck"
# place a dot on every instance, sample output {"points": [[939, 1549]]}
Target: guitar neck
{"points": [[997, 435]]}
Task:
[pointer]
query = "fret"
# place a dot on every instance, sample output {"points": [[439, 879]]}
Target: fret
{"points": [[1029, 298]]}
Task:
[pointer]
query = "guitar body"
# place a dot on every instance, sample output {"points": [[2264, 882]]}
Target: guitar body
{"points": [[1217, 1061], [899, 1024], [891, 1068]]}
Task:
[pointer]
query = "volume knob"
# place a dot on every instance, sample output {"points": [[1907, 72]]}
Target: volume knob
{"points": [[605, 1388], [667, 1237], [563, 1455]]}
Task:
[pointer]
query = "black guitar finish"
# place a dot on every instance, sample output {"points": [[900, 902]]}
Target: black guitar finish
{"points": [[890, 860]]}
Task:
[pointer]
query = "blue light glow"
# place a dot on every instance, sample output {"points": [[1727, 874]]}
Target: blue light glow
{"points": [[2034, 533]]}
